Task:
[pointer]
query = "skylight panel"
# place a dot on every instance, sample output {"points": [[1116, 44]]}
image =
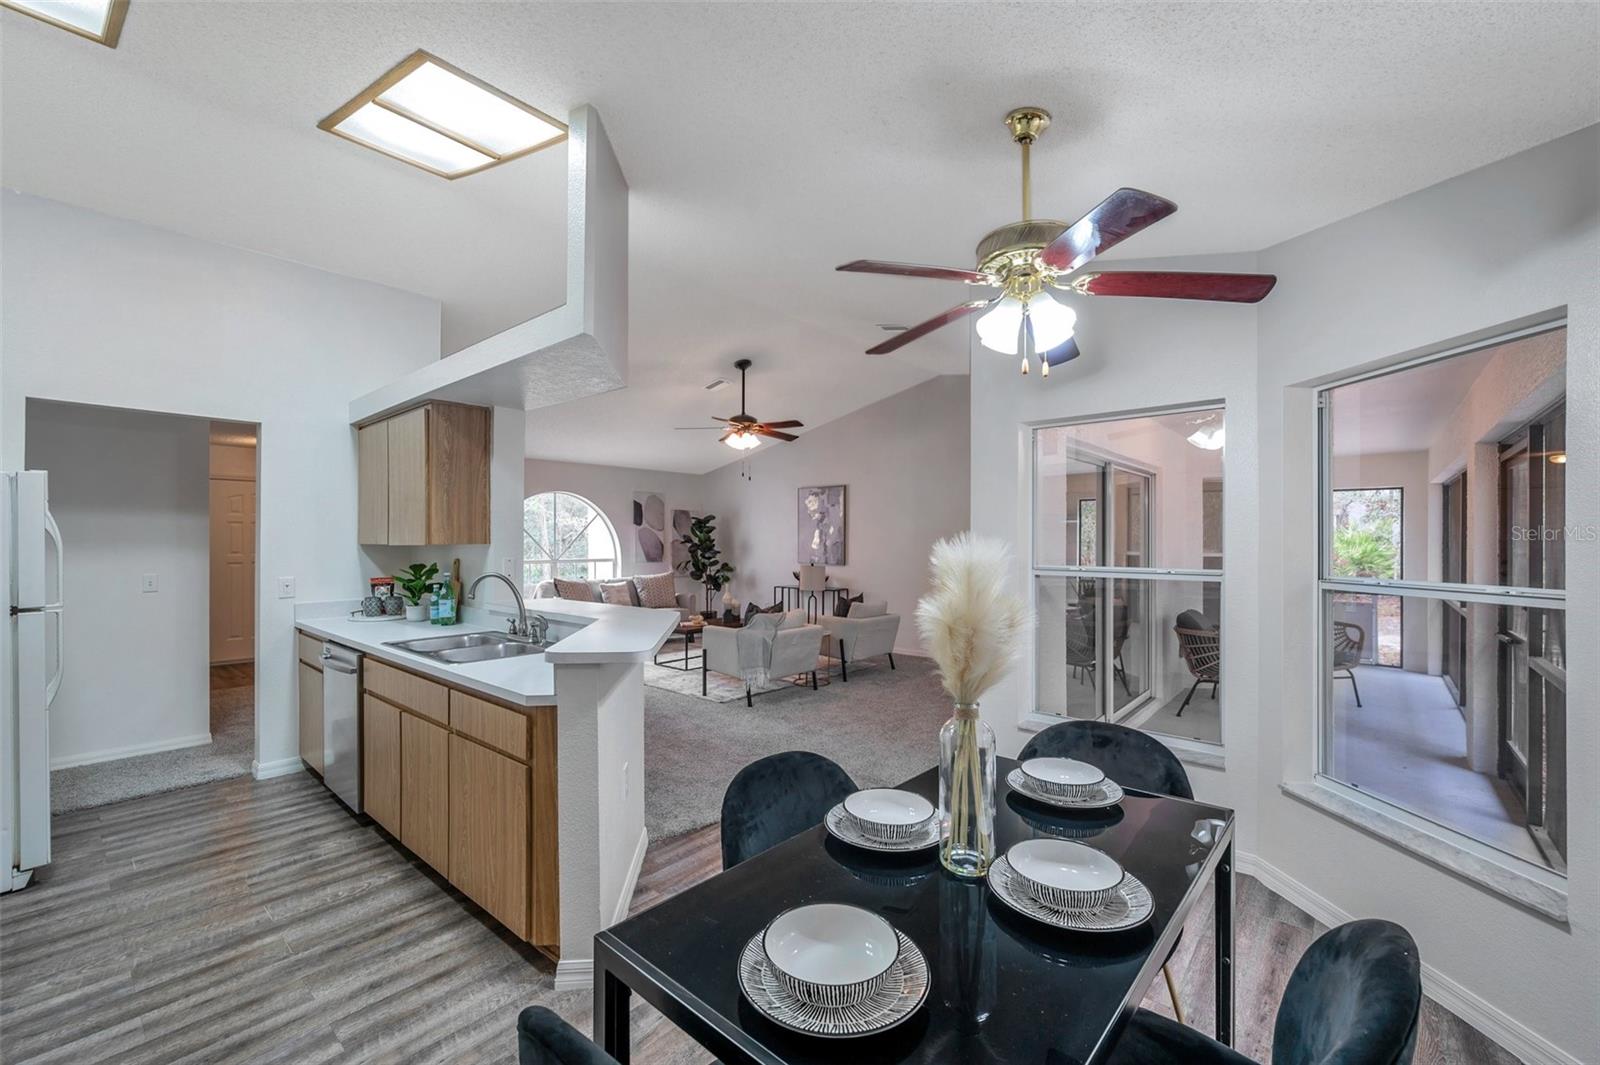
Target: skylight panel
{"points": [[98, 20], [442, 119]]}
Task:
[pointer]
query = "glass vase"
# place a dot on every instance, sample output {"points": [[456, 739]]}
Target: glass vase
{"points": [[966, 793]]}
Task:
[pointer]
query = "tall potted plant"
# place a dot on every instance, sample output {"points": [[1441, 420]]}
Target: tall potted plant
{"points": [[973, 629], [704, 563]]}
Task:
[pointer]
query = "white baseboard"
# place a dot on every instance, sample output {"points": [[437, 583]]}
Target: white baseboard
{"points": [[575, 974], [281, 768], [625, 899], [1493, 1022], [111, 754]]}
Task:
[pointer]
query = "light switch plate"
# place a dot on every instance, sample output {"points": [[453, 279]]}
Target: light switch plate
{"points": [[148, 583], [285, 587]]}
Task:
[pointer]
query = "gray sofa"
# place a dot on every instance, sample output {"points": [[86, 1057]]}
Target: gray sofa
{"points": [[686, 600]]}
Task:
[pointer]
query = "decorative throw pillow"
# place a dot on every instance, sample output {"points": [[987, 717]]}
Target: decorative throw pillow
{"points": [[657, 590], [841, 605], [617, 593], [578, 590]]}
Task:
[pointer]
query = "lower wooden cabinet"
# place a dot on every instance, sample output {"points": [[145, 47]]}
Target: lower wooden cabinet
{"points": [[489, 831], [380, 761], [310, 716], [425, 791]]}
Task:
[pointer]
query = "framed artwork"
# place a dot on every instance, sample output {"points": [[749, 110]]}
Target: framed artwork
{"points": [[820, 532], [650, 533]]}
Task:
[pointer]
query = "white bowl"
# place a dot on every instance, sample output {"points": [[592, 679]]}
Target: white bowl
{"points": [[829, 954], [1065, 875], [1066, 777], [888, 814]]}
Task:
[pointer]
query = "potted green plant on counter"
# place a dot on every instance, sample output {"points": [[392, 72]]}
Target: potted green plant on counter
{"points": [[704, 563], [414, 584]]}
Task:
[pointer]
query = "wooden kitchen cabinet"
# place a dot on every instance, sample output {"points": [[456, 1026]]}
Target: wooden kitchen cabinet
{"points": [[424, 476], [380, 760], [425, 791], [372, 484], [310, 715], [489, 831]]}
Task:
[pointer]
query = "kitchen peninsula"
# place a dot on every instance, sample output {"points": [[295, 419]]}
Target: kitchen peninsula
{"points": [[500, 773]]}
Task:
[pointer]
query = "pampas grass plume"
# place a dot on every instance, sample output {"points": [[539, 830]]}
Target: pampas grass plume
{"points": [[971, 625]]}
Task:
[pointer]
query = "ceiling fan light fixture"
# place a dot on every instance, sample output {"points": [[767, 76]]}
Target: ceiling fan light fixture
{"points": [[1210, 435], [998, 326], [743, 441], [1052, 322]]}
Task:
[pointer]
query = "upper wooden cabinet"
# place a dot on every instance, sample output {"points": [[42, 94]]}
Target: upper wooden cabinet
{"points": [[424, 476]]}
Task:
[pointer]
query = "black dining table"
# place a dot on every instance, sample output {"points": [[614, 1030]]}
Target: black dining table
{"points": [[1003, 988]]}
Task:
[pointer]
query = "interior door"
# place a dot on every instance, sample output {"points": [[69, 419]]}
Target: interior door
{"points": [[233, 570]]}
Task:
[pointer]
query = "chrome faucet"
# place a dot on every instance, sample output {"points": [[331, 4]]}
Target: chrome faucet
{"points": [[534, 628]]}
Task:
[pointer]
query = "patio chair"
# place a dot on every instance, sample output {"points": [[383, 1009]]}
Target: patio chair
{"points": [[1201, 646], [1349, 643]]}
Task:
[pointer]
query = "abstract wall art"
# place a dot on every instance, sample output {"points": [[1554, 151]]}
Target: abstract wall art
{"points": [[649, 532], [820, 526]]}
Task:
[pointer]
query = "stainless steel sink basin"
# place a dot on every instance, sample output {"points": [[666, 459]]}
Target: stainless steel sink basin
{"points": [[471, 647]]}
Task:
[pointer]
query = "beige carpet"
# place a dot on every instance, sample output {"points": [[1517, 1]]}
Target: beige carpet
{"points": [[227, 755], [882, 727]]}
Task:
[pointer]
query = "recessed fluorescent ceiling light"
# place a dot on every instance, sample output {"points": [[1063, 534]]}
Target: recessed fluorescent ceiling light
{"points": [[98, 20], [430, 114]]}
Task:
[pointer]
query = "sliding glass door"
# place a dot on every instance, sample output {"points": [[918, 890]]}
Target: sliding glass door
{"points": [[1120, 639]]}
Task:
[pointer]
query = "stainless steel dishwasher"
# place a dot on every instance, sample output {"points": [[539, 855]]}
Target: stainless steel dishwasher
{"points": [[341, 723]]}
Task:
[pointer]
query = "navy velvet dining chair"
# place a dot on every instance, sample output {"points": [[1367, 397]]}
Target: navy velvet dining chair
{"points": [[777, 797], [545, 1039], [1354, 998], [1128, 756]]}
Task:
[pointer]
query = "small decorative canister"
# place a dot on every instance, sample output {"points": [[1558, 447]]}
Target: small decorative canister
{"points": [[372, 607], [394, 606]]}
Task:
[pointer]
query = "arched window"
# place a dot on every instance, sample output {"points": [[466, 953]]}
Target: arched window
{"points": [[565, 535]]}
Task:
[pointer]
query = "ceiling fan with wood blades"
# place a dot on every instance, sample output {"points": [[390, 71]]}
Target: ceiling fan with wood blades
{"points": [[1029, 259], [742, 432]]}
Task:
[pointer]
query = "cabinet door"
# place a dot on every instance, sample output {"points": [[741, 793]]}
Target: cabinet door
{"points": [[489, 831], [425, 791], [372, 484], [408, 477], [458, 474], [380, 763], [311, 716]]}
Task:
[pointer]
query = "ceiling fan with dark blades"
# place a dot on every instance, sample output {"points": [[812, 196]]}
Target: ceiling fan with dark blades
{"points": [[742, 432], [1028, 259]]}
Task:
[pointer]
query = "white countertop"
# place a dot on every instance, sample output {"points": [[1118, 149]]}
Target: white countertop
{"points": [[610, 634]]}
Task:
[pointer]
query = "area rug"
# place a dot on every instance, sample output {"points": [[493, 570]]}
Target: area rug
{"points": [[227, 755], [882, 727], [720, 688]]}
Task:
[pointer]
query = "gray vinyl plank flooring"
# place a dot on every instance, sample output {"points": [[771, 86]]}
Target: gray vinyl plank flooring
{"points": [[261, 923]]}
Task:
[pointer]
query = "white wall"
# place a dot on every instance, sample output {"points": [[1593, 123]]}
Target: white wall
{"points": [[1340, 307], [131, 494], [904, 464], [104, 311]]}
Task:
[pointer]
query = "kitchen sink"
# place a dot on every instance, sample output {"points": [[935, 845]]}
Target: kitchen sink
{"points": [[471, 647]]}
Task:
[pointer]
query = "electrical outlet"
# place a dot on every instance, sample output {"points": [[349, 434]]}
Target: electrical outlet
{"points": [[148, 583], [285, 587]]}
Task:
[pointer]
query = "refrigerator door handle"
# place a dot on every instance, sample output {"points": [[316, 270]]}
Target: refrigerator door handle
{"points": [[53, 531], [54, 684]]}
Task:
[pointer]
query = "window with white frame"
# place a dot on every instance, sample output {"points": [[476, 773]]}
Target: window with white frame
{"points": [[1127, 571], [1442, 590], [564, 535]]}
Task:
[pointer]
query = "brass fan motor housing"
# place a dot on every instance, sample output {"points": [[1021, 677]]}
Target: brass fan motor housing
{"points": [[1013, 247]]}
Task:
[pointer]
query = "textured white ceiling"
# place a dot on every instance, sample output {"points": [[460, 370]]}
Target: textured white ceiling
{"points": [[765, 143]]}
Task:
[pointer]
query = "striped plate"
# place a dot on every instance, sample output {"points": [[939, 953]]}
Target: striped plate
{"points": [[902, 992], [1130, 904]]}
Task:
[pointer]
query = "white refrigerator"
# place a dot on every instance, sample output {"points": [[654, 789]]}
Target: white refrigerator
{"points": [[30, 672]]}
